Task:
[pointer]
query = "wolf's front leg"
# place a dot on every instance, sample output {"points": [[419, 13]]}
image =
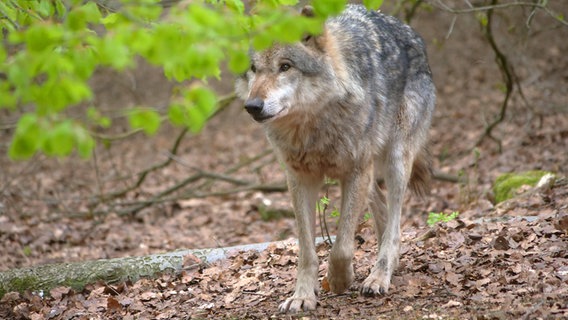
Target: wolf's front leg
{"points": [[354, 195], [304, 196]]}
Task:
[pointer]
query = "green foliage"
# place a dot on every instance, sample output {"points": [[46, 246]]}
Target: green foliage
{"points": [[53, 47], [507, 184], [55, 137], [193, 109], [373, 4], [145, 119], [322, 206], [324, 8], [434, 218]]}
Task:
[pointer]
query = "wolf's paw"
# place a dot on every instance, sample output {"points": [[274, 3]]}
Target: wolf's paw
{"points": [[297, 304], [377, 283], [340, 278]]}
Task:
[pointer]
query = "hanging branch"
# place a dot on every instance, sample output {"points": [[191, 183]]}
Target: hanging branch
{"points": [[507, 73], [507, 70]]}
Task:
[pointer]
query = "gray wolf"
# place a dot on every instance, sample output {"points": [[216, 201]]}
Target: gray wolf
{"points": [[353, 104]]}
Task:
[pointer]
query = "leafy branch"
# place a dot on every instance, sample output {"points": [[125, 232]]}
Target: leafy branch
{"points": [[51, 49]]}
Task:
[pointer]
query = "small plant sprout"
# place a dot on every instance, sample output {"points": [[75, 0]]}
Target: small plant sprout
{"points": [[434, 217]]}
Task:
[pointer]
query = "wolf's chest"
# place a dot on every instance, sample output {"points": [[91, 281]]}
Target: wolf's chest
{"points": [[318, 150], [318, 163]]}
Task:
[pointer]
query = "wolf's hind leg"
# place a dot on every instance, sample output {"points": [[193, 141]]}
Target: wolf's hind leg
{"points": [[378, 204], [397, 172]]}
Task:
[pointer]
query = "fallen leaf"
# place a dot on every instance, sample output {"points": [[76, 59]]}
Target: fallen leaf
{"points": [[325, 284], [501, 243], [148, 295], [113, 305], [407, 308]]}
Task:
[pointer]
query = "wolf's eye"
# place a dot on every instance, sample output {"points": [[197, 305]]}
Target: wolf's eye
{"points": [[253, 68], [284, 67]]}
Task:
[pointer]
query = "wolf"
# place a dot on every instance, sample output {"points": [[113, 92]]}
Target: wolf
{"points": [[355, 104]]}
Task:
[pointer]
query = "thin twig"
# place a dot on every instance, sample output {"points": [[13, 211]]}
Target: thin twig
{"points": [[222, 103], [322, 216], [211, 179], [542, 6]]}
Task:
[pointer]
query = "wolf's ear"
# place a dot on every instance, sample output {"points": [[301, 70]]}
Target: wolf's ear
{"points": [[308, 11], [308, 39]]}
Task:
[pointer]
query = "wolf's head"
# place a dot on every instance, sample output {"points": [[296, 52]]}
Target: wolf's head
{"points": [[288, 79]]}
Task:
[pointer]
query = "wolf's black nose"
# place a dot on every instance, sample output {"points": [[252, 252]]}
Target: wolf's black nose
{"points": [[254, 106]]}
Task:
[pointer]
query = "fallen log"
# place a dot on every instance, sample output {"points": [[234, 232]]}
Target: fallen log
{"points": [[76, 275]]}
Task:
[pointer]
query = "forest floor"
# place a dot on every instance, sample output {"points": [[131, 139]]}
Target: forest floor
{"points": [[506, 261]]}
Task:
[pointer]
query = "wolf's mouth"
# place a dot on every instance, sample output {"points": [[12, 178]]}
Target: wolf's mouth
{"points": [[261, 118]]}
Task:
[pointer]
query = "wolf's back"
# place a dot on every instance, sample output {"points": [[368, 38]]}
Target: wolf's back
{"points": [[379, 50]]}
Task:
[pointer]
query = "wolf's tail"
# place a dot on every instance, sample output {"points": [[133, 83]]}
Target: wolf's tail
{"points": [[421, 173]]}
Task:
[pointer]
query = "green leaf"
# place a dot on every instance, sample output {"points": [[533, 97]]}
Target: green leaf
{"points": [[262, 40], [95, 116], [335, 213], [7, 97], [288, 30], [236, 5], [26, 140], [325, 8], [288, 2], [238, 61], [373, 4], [204, 17], [195, 120], [45, 8], [77, 19], [204, 99], [145, 119], [59, 140], [110, 19], [60, 8], [203, 102], [41, 37], [146, 10], [10, 15], [57, 94], [85, 143], [177, 114], [114, 52], [198, 104]]}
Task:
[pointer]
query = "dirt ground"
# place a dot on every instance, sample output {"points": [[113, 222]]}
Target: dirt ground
{"points": [[495, 262]]}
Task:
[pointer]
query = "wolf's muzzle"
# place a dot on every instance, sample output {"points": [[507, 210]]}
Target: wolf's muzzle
{"points": [[254, 107]]}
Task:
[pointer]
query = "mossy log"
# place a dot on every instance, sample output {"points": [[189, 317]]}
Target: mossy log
{"points": [[507, 184], [77, 275]]}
